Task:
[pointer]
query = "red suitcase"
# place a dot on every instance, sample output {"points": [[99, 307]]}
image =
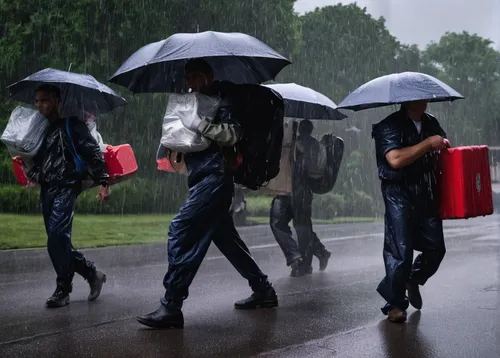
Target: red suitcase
{"points": [[464, 183], [120, 161]]}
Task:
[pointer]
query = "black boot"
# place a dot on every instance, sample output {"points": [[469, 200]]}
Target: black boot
{"points": [[96, 280], [323, 260], [266, 298], [60, 297], [296, 268], [414, 295], [163, 318]]}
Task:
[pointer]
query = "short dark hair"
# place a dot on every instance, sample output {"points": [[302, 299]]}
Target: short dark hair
{"points": [[198, 65], [305, 127], [50, 89]]}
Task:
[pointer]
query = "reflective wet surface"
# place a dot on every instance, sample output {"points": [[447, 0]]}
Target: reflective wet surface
{"points": [[327, 314]]}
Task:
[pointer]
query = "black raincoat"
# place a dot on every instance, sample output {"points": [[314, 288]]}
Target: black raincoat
{"points": [[297, 206], [60, 185], [205, 217], [412, 219]]}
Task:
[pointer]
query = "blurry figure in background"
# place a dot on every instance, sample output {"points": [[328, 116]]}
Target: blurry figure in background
{"points": [[238, 209], [405, 144], [205, 216], [56, 170], [298, 206]]}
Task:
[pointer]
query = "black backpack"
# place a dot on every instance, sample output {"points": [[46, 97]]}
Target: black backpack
{"points": [[259, 111], [334, 154]]}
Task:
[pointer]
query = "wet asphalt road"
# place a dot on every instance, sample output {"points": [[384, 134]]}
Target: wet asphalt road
{"points": [[330, 314]]}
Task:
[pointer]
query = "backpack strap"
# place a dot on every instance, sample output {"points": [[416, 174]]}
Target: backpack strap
{"points": [[80, 165]]}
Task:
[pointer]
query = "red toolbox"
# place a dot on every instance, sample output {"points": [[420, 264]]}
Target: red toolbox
{"points": [[464, 182], [170, 161], [17, 164], [120, 161]]}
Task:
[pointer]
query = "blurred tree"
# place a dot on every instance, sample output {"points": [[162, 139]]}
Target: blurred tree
{"points": [[334, 50], [342, 47], [470, 65]]}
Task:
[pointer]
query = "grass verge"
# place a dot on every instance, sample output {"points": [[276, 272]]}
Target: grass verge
{"points": [[27, 231]]}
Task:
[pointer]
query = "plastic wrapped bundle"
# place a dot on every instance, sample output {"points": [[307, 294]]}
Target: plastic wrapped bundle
{"points": [[182, 111], [25, 132], [178, 138]]}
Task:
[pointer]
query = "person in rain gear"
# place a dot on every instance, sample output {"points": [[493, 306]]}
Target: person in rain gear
{"points": [[60, 185], [205, 216], [298, 206], [405, 144]]}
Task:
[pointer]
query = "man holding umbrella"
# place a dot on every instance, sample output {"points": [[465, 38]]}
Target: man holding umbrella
{"points": [[205, 215], [406, 142], [296, 204], [60, 186], [196, 60], [68, 152]]}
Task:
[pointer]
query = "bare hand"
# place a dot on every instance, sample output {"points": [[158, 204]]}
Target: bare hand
{"points": [[103, 193], [437, 142]]}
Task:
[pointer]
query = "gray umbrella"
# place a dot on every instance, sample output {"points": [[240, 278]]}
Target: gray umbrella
{"points": [[235, 57], [304, 102], [398, 88], [79, 92]]}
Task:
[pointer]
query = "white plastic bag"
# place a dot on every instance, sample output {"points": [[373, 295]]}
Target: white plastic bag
{"points": [[183, 110], [178, 138], [92, 126], [25, 132]]}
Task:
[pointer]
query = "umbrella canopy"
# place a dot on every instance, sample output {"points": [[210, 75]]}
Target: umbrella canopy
{"points": [[235, 57], [304, 102], [398, 88], [79, 92]]}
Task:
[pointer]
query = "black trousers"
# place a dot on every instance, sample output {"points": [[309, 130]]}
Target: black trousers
{"points": [[408, 228], [58, 205], [282, 212]]}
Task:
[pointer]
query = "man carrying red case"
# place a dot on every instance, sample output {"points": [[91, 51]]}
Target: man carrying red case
{"points": [[406, 142]]}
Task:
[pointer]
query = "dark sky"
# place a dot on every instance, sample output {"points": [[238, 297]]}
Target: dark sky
{"points": [[436, 17]]}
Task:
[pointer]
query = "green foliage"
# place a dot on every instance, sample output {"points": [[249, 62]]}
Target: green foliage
{"points": [[138, 196], [343, 46], [355, 203], [469, 64], [334, 50]]}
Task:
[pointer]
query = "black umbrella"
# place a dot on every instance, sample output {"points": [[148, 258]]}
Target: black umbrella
{"points": [[304, 102], [79, 92], [235, 57], [398, 88]]}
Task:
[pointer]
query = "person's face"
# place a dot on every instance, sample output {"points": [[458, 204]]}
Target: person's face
{"points": [[198, 80], [46, 103], [417, 107]]}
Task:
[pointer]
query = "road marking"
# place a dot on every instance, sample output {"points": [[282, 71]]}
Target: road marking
{"points": [[448, 233]]}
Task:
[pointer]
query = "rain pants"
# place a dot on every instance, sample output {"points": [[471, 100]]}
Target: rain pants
{"points": [[282, 212], [412, 219], [297, 206], [60, 185], [205, 216]]}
